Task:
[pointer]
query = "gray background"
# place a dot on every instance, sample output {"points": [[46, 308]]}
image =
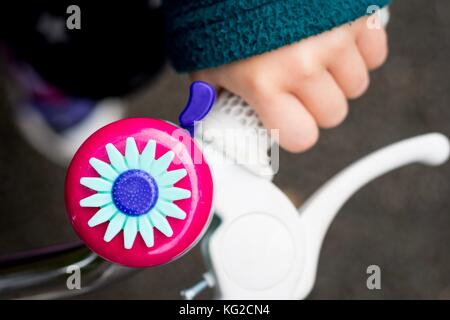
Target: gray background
{"points": [[400, 222]]}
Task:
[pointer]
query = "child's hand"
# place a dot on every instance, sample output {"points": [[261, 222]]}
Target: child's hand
{"points": [[304, 86]]}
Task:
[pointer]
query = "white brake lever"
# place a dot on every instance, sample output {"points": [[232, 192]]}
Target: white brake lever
{"points": [[319, 211]]}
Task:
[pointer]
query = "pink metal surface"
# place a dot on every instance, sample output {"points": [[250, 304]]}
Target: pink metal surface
{"points": [[198, 180]]}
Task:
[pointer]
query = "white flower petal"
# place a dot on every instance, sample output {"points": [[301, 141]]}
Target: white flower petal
{"points": [[114, 226], [160, 223], [148, 156], [160, 165], [146, 230], [129, 232], [174, 193], [102, 215], [132, 154], [96, 200], [116, 158], [103, 169], [171, 177], [170, 209], [96, 184]]}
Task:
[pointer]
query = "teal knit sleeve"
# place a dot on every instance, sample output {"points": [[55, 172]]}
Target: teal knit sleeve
{"points": [[209, 33]]}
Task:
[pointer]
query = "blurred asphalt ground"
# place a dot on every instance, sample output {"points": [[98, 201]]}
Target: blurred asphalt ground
{"points": [[400, 222]]}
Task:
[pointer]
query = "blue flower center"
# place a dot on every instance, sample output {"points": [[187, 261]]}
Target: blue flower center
{"points": [[135, 192]]}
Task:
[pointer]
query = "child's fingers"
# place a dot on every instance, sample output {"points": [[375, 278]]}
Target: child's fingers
{"points": [[297, 128], [350, 72], [372, 44], [324, 99]]}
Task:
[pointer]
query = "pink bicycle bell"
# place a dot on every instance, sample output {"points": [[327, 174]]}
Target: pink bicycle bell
{"points": [[139, 191]]}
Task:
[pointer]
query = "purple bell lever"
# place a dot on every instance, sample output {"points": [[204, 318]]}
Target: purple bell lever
{"points": [[201, 99]]}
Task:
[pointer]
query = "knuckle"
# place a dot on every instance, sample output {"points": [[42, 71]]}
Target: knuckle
{"points": [[335, 117], [382, 54], [380, 49], [341, 38], [256, 81], [307, 65], [307, 141], [360, 86]]}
